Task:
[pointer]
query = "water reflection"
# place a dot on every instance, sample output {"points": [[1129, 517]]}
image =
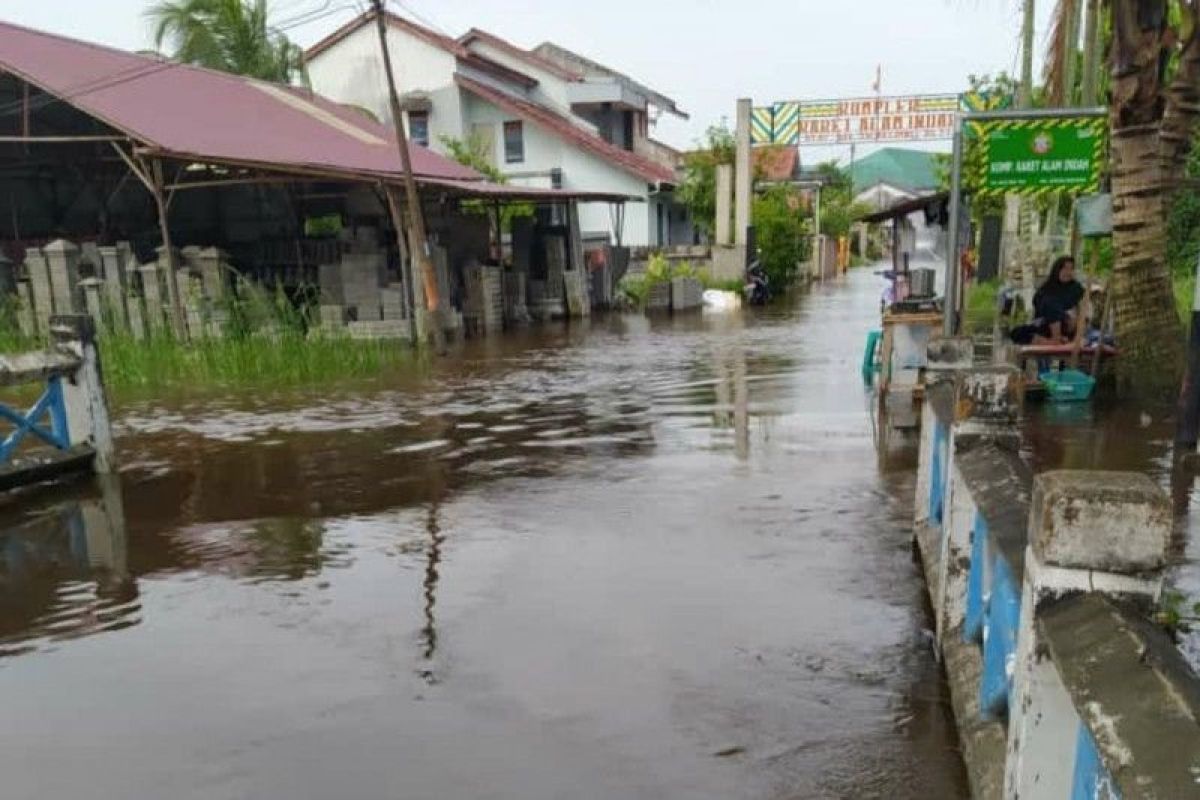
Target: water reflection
{"points": [[64, 568], [433, 558]]}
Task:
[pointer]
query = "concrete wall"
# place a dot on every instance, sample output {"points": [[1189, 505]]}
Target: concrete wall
{"points": [[1040, 586]]}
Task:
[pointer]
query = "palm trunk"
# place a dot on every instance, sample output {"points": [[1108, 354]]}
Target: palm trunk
{"points": [[1147, 325]]}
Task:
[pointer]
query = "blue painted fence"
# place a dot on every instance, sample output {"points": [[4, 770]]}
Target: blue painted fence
{"points": [[49, 406]]}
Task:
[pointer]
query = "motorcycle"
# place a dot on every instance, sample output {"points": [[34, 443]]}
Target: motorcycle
{"points": [[757, 289]]}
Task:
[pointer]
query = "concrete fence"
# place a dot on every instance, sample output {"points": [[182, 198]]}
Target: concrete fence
{"points": [[1041, 587]]}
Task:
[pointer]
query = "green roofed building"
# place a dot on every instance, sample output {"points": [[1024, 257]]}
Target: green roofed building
{"points": [[894, 173]]}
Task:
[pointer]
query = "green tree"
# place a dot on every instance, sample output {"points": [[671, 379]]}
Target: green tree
{"points": [[473, 152], [698, 190], [781, 233], [838, 209], [228, 35]]}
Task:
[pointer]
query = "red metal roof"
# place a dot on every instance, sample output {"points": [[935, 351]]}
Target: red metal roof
{"points": [[529, 57], [205, 115], [776, 162], [651, 171]]}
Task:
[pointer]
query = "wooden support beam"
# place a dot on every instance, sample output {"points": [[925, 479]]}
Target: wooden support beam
{"points": [[160, 201], [60, 139]]}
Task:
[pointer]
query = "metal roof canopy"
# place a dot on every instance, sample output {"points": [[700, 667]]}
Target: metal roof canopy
{"points": [[163, 109], [951, 305]]}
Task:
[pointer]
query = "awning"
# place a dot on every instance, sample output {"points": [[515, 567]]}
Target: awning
{"points": [[906, 207]]}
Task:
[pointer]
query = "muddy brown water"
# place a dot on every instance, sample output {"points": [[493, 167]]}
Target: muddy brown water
{"points": [[630, 559]]}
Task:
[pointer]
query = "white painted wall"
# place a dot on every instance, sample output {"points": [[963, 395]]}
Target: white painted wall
{"points": [[581, 171], [551, 90], [351, 71]]}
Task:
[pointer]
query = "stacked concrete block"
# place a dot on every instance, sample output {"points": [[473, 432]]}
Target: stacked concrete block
{"points": [[659, 297], [213, 266], [575, 287], [686, 294], [378, 329], [516, 312], [196, 310], [154, 291], [556, 264], [392, 302], [332, 317], [62, 261], [92, 289], [484, 307], [41, 292], [115, 287], [25, 316], [135, 310]]}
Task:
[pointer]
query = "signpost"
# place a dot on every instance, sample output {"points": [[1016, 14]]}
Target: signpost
{"points": [[1029, 151], [1038, 156]]}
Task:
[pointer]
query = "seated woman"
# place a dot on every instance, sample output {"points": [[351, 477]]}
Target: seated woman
{"points": [[1055, 307]]}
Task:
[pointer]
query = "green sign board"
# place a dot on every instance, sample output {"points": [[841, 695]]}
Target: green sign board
{"points": [[1037, 156]]}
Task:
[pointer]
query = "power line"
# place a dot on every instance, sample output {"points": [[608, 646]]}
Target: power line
{"points": [[138, 71]]}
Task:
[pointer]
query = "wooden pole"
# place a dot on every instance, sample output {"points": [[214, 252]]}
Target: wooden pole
{"points": [[156, 179], [393, 202], [416, 219]]}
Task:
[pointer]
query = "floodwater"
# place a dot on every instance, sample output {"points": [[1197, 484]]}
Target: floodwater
{"points": [[630, 559]]}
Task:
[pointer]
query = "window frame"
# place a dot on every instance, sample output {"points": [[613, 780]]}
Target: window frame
{"points": [[509, 156]]}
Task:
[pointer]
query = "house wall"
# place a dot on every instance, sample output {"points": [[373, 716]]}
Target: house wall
{"points": [[351, 71], [551, 90], [581, 171]]}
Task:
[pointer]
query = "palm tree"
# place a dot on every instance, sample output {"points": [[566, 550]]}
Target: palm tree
{"points": [[1153, 119], [228, 35]]}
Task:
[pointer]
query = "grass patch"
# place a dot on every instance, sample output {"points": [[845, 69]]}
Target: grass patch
{"points": [[269, 341], [286, 358], [981, 309]]}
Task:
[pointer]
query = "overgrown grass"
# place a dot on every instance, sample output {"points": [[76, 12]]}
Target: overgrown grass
{"points": [[981, 310], [269, 340], [286, 358]]}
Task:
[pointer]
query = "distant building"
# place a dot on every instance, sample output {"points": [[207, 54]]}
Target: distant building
{"points": [[545, 117], [892, 174]]}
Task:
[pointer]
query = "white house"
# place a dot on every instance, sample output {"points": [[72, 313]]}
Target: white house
{"points": [[545, 117]]}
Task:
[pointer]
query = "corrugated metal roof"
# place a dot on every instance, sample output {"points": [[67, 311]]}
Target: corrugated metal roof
{"points": [[650, 171], [911, 170], [201, 114]]}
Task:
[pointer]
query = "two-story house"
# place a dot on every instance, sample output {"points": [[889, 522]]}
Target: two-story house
{"points": [[544, 117]]}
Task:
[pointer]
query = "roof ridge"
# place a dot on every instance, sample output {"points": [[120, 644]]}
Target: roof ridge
{"points": [[644, 167], [523, 53]]}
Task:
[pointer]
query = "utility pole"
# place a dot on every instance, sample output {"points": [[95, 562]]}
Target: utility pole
{"points": [[416, 218]]}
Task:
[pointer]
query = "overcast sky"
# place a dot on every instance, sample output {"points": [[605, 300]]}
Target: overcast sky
{"points": [[702, 53]]}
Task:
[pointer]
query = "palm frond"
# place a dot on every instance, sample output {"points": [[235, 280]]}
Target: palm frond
{"points": [[1061, 48]]}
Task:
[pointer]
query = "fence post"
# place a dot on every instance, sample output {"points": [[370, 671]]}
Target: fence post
{"points": [[987, 402], [945, 358], [1102, 532], [83, 392]]}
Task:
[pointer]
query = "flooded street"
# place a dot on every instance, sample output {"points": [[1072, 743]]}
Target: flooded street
{"points": [[636, 559]]}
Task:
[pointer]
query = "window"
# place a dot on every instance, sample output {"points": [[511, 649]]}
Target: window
{"points": [[514, 142], [418, 127]]}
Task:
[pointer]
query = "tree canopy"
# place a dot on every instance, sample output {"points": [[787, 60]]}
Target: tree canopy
{"points": [[228, 35]]}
